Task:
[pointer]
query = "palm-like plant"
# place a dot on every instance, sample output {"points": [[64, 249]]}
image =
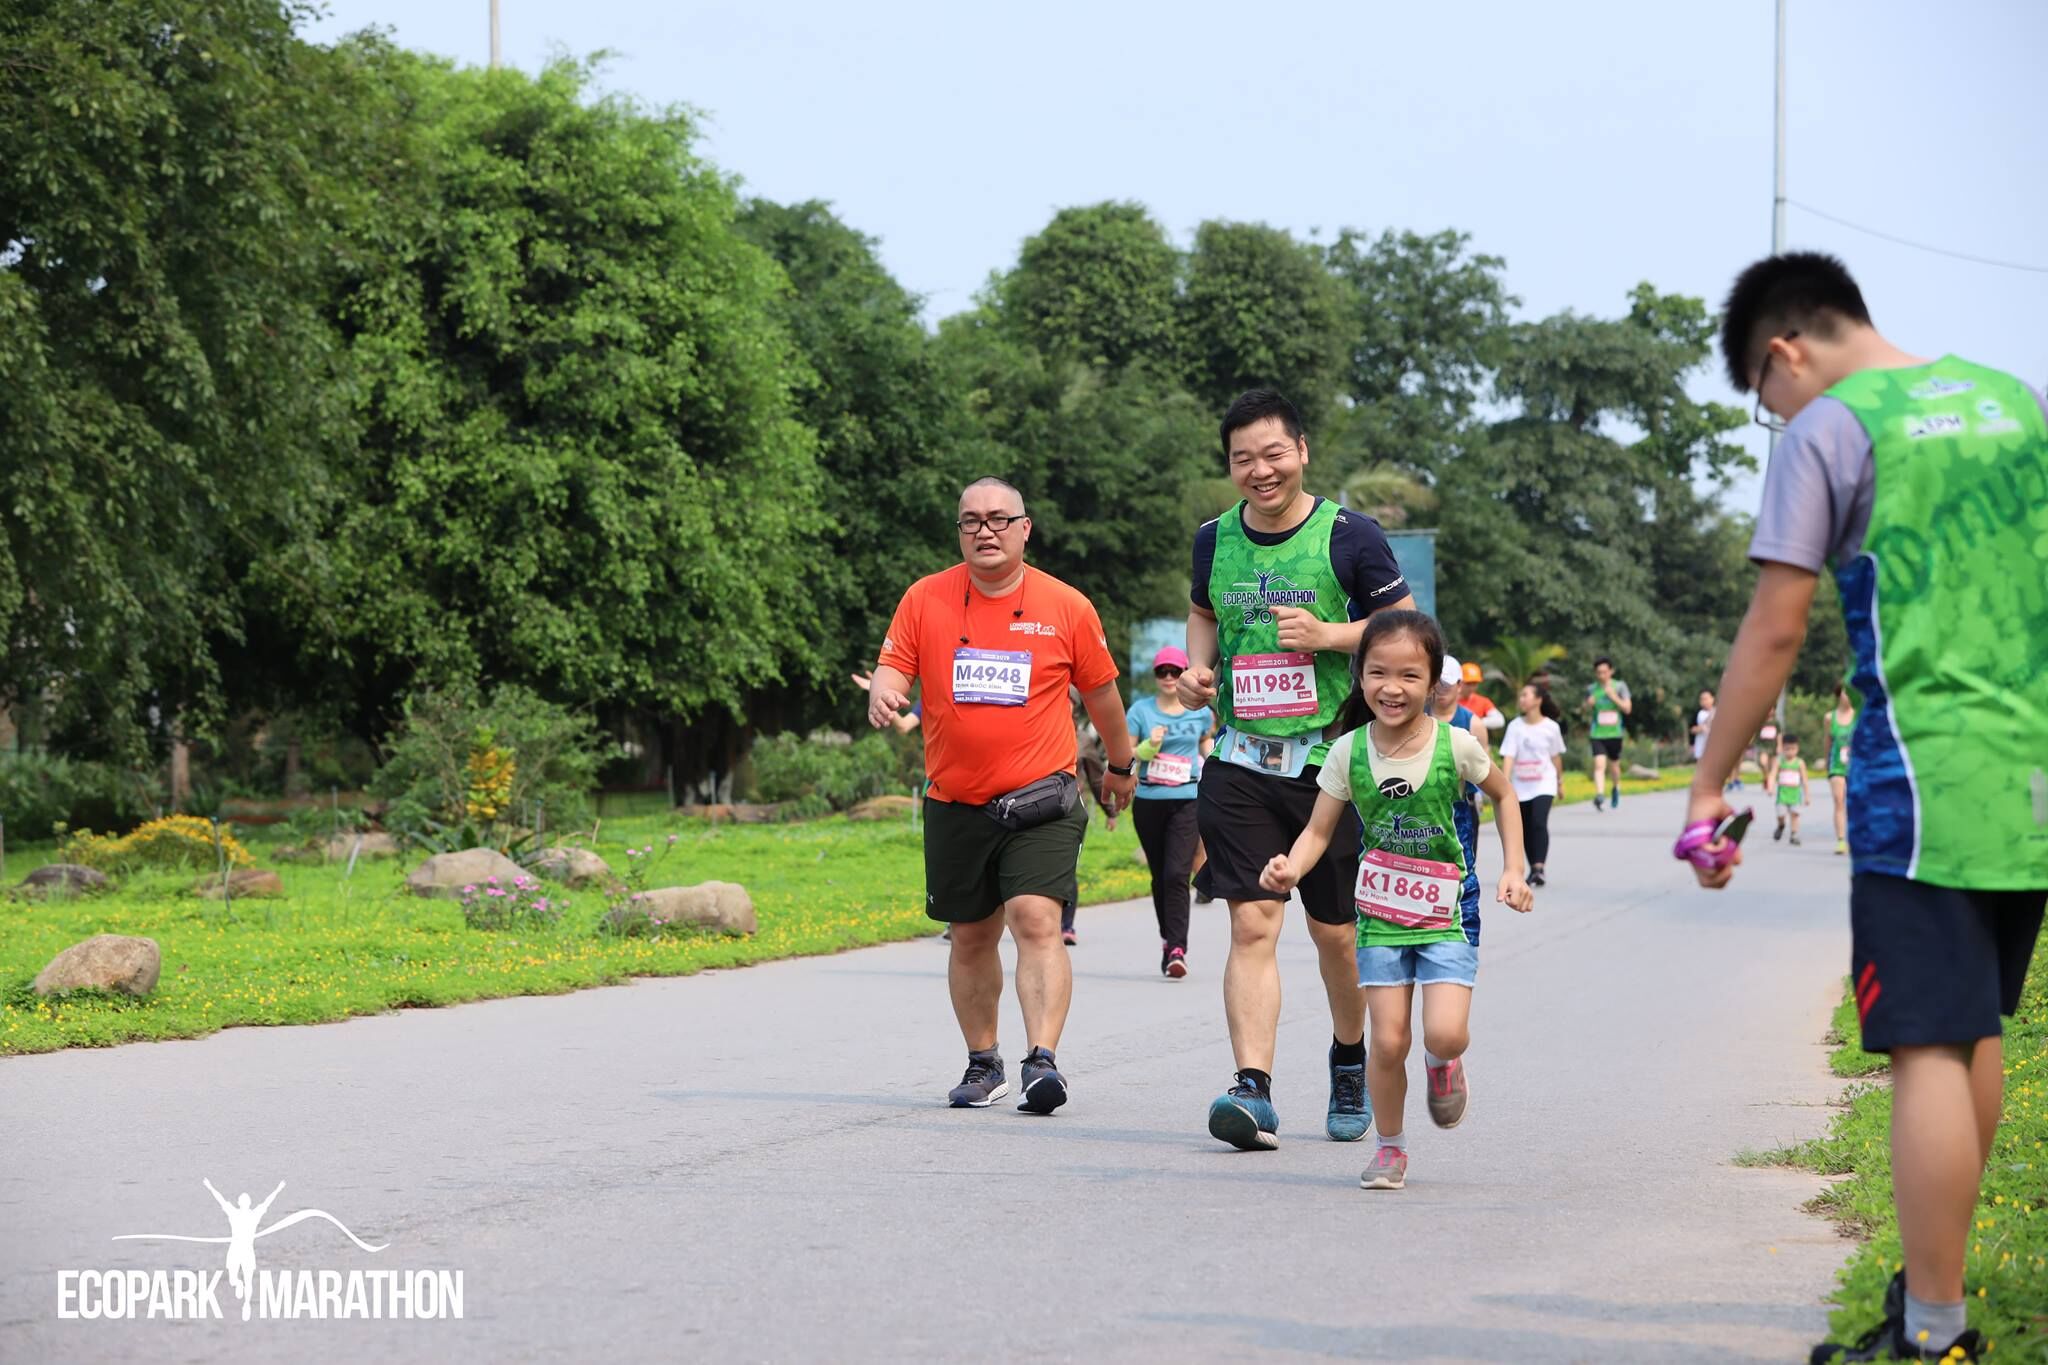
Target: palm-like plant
{"points": [[1514, 659], [1388, 494]]}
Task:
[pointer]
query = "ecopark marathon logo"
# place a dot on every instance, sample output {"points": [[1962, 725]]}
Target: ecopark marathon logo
{"points": [[189, 1294], [1258, 599]]}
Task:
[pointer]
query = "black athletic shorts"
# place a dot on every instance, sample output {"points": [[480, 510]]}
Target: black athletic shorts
{"points": [[1937, 965], [1610, 748], [972, 864], [1247, 817]]}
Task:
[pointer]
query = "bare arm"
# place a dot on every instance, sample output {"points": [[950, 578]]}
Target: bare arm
{"points": [[1106, 708], [1197, 685], [888, 694], [1507, 822]]}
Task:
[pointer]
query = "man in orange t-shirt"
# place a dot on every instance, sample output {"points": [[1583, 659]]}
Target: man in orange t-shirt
{"points": [[994, 646]]}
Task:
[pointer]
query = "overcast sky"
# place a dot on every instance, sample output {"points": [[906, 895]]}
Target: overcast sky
{"points": [[1590, 144]]}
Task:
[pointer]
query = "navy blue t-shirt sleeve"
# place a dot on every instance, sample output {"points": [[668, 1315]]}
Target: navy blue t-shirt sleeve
{"points": [[1364, 562], [1205, 559]]}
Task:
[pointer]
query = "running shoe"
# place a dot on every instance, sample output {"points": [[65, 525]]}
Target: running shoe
{"points": [[1203, 898], [1448, 1093], [1535, 876], [1794, 840], [1614, 797], [1243, 1117], [1841, 846], [1779, 832], [983, 1084], [1044, 1088], [1350, 1108], [1069, 937], [1599, 801], [1389, 1170], [1887, 1340], [1176, 964]]}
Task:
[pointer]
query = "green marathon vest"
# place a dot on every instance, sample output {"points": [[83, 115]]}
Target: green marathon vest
{"points": [[1246, 581], [1947, 613], [1600, 703], [1420, 825]]}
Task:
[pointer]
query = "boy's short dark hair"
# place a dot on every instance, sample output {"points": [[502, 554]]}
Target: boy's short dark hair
{"points": [[1789, 740], [1256, 405], [1603, 659], [1804, 291]]}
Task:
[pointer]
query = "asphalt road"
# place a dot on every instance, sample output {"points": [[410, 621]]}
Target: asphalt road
{"points": [[757, 1164]]}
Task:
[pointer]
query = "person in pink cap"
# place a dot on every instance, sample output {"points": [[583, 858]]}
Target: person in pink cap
{"points": [[1172, 740]]}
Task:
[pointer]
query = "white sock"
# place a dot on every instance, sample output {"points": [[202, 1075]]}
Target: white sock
{"points": [[1392, 1140], [1943, 1322], [1430, 1059]]}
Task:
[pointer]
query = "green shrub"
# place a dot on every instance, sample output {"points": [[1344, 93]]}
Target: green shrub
{"points": [[37, 794], [428, 778], [817, 768]]}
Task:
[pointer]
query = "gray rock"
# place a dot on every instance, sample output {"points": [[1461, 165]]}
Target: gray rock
{"points": [[574, 867], [882, 808], [724, 906], [108, 962], [376, 844], [246, 881], [1642, 774], [445, 874], [69, 876]]}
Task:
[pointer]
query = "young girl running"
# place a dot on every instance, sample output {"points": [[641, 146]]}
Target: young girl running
{"points": [[1767, 755], [1792, 792], [1841, 725], [1532, 751], [1417, 891]]}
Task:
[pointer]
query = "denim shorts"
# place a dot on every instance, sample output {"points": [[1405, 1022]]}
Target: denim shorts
{"points": [[1451, 963]]}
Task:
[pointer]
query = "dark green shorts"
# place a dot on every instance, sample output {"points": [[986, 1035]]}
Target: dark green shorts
{"points": [[972, 864]]}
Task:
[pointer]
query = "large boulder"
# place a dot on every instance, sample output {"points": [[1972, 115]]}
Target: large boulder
{"points": [[107, 962], [1642, 774], [66, 877], [574, 867], [882, 808], [376, 844], [737, 813], [723, 906], [243, 881], [445, 874]]}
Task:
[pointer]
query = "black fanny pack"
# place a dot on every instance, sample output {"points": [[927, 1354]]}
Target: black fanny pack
{"points": [[1034, 803]]}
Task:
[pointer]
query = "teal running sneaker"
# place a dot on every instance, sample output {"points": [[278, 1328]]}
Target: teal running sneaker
{"points": [[1243, 1117], [1350, 1107]]}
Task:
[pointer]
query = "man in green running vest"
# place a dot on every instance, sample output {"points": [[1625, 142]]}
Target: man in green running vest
{"points": [[1925, 484], [1282, 585], [1608, 704]]}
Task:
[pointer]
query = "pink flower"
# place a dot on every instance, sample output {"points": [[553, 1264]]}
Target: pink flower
{"points": [[469, 891]]}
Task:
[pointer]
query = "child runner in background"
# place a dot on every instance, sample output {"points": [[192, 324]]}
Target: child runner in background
{"points": [[1172, 741], [1532, 751], [1417, 890], [1792, 793], [1702, 722], [1841, 725], [1767, 755]]}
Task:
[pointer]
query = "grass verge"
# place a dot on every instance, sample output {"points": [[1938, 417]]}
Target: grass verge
{"points": [[2007, 1269], [336, 945]]}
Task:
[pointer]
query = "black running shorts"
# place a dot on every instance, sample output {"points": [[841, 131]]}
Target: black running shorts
{"points": [[1609, 748], [1936, 965], [1247, 817], [972, 864]]}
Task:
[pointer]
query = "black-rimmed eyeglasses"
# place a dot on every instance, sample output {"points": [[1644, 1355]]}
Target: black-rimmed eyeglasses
{"points": [[971, 525], [1764, 417]]}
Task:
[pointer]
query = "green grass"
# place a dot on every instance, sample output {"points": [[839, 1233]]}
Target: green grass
{"points": [[2007, 1269], [336, 945]]}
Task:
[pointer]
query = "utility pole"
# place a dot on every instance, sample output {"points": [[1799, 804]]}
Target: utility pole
{"points": [[1777, 215], [1781, 76]]}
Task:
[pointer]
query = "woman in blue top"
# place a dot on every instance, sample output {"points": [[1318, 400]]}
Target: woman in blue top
{"points": [[1172, 742]]}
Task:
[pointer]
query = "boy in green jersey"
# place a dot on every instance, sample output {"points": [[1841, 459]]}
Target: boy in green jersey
{"points": [[1792, 793], [1925, 484]]}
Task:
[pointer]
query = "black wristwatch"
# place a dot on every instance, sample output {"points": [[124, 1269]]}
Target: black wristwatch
{"points": [[1124, 771]]}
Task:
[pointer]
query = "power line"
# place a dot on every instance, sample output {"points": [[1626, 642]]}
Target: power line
{"points": [[1918, 246]]}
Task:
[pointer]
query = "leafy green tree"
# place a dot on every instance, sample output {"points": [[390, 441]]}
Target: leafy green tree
{"points": [[175, 395], [582, 469], [1098, 284], [1261, 308], [1425, 320], [892, 443]]}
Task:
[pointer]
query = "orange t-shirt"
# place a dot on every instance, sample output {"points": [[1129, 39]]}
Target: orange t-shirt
{"points": [[996, 711]]}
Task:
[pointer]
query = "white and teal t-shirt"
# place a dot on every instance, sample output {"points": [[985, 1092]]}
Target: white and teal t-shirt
{"points": [[1172, 775]]}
